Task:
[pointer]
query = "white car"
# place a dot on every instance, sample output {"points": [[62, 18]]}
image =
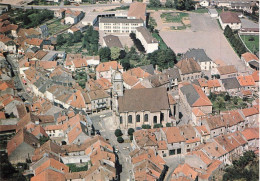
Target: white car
{"points": [[102, 116]]}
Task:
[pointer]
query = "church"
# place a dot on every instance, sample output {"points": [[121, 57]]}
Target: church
{"points": [[134, 107]]}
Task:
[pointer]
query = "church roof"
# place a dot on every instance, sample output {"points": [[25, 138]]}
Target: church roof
{"points": [[151, 99]]}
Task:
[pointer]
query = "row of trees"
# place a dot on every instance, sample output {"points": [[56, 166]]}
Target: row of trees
{"points": [[137, 43], [235, 41], [177, 4]]}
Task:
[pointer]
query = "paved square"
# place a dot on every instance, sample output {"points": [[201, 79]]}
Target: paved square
{"points": [[204, 33]]}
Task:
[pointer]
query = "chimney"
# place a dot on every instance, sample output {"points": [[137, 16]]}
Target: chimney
{"points": [[216, 147]]}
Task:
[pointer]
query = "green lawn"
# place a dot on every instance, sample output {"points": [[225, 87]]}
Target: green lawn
{"points": [[252, 42], [174, 17], [55, 26], [162, 45], [178, 27]]}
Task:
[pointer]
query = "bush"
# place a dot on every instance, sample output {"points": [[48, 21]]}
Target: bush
{"points": [[235, 100], [206, 77], [168, 124], [130, 131], [120, 139], [158, 126], [118, 132], [227, 97], [74, 168], [146, 126]]}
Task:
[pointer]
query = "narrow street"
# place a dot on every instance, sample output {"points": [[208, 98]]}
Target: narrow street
{"points": [[124, 148]]}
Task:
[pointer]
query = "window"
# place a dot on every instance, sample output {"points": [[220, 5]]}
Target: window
{"points": [[178, 151], [121, 120], [172, 152], [137, 118], [130, 119], [155, 119], [146, 118]]}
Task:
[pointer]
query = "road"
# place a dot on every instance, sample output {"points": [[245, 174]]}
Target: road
{"points": [[123, 154], [69, 6]]}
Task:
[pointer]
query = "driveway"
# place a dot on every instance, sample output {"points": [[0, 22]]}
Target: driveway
{"points": [[205, 33]]}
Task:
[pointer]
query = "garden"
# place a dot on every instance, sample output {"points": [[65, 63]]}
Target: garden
{"points": [[181, 19], [54, 26], [252, 42], [223, 102]]}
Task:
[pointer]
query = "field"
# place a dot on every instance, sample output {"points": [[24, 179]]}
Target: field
{"points": [[252, 42], [174, 17]]}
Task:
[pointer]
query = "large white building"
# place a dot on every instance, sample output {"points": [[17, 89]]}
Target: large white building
{"points": [[148, 41], [119, 25], [231, 19]]}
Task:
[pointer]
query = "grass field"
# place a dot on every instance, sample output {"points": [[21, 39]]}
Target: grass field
{"points": [[162, 45], [252, 42], [200, 11], [174, 17]]}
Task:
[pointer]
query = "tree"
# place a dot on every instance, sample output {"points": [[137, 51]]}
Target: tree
{"points": [[228, 31], [120, 139], [235, 100], [168, 124], [131, 137], [169, 4], [158, 126], [77, 37], [155, 3], [43, 139], [146, 126], [118, 132], [227, 97], [105, 54], [189, 5], [130, 131], [60, 40], [115, 53]]}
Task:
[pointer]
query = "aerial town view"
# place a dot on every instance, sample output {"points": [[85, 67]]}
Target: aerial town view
{"points": [[129, 90]]}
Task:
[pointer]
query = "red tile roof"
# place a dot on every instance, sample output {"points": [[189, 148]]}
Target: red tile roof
{"points": [[214, 83], [51, 163], [249, 56], [203, 99], [173, 135], [246, 80], [103, 67], [229, 17], [250, 111], [137, 10], [34, 41], [49, 175], [255, 76], [251, 133]]}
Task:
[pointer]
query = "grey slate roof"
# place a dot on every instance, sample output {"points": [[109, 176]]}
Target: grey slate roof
{"points": [[231, 83], [198, 55], [191, 94], [112, 41], [146, 34], [119, 20], [151, 99], [148, 68], [173, 73]]}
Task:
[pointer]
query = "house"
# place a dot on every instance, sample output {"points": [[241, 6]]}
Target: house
{"points": [[119, 25], [230, 19], [34, 42], [251, 116], [137, 10], [112, 41], [106, 69], [143, 106], [189, 69], [192, 97], [43, 29], [231, 85], [49, 174], [73, 17], [247, 82], [227, 71], [213, 13], [249, 57], [7, 44], [59, 13], [252, 137], [249, 27], [148, 41], [100, 100], [203, 133], [204, 3], [214, 85], [255, 76], [73, 30], [21, 147], [146, 164], [200, 56], [129, 80], [78, 134]]}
